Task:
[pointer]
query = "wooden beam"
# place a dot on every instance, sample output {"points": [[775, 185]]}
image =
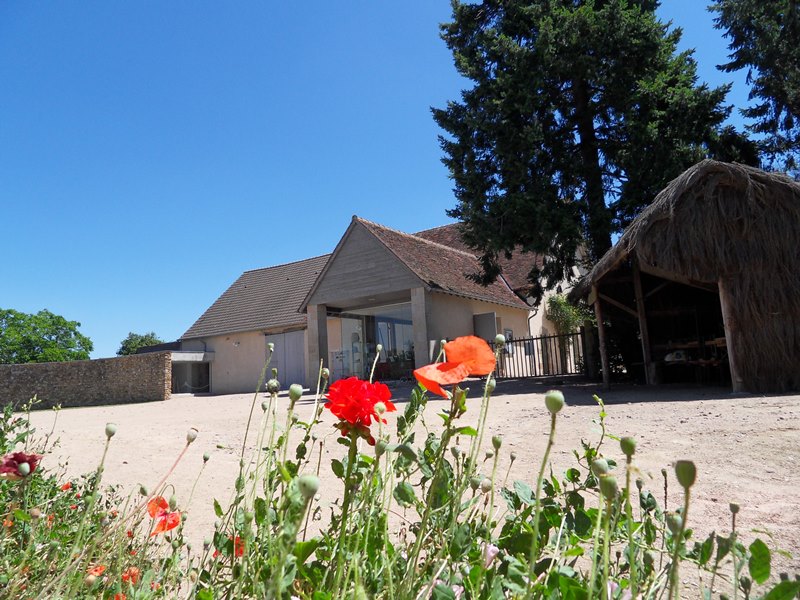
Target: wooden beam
{"points": [[618, 304], [657, 289], [649, 369], [664, 274], [601, 331], [729, 321]]}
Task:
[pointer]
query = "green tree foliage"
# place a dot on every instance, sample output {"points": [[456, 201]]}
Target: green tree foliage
{"points": [[40, 337], [581, 112], [764, 38], [567, 317], [134, 341]]}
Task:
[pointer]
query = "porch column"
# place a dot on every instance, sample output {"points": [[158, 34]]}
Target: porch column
{"points": [[731, 326], [419, 326], [317, 342], [644, 334], [601, 334]]}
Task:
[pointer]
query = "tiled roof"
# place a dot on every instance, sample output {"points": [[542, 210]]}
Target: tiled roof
{"points": [[515, 269], [442, 267], [261, 299]]}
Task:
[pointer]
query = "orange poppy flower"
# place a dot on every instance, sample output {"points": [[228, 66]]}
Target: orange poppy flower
{"points": [[131, 574], [473, 352], [158, 509], [120, 596], [433, 377], [67, 486]]}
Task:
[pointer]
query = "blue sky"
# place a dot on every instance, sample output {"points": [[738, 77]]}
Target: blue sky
{"points": [[152, 151]]}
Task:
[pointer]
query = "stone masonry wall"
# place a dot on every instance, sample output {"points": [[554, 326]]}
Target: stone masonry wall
{"points": [[121, 380]]}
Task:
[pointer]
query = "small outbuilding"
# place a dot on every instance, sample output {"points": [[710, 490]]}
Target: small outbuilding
{"points": [[706, 281]]}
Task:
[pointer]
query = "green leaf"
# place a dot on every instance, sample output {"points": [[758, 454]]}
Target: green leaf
{"points": [[759, 563], [785, 590], [338, 468], [524, 492], [205, 594], [404, 494], [22, 515], [217, 509], [442, 592], [407, 451], [467, 430], [302, 550], [706, 549]]}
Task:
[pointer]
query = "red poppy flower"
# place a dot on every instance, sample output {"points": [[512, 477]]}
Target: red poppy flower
{"points": [[473, 352], [158, 509], [129, 533], [9, 466], [353, 400], [120, 596], [238, 547], [96, 570], [433, 377], [67, 486], [131, 574]]}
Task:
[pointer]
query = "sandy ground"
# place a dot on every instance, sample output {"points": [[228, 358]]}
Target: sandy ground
{"points": [[747, 448]]}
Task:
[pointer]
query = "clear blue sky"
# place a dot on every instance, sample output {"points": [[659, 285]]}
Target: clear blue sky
{"points": [[152, 151]]}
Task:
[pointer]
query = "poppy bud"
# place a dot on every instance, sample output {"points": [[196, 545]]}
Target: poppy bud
{"points": [[326, 373], [273, 386], [308, 486], [456, 452], [499, 340], [474, 483], [89, 580], [486, 485], [111, 429], [173, 502], [191, 435], [295, 392], [497, 441], [274, 373], [639, 483], [628, 445], [175, 544], [608, 486], [600, 467], [265, 405], [142, 490], [189, 546], [378, 348], [491, 384], [35, 514], [248, 516], [513, 456], [554, 401], [206, 457], [207, 543], [686, 473], [734, 508], [380, 448], [489, 454], [379, 408], [270, 347], [674, 522], [24, 469]]}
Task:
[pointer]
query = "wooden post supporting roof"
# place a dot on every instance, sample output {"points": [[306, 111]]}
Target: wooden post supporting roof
{"points": [[649, 370], [730, 324], [601, 332]]}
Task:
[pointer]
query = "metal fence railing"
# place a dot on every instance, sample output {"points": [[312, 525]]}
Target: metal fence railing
{"points": [[542, 356]]}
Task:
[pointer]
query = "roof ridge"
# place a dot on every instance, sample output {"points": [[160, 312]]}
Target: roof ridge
{"points": [[293, 262], [416, 237]]}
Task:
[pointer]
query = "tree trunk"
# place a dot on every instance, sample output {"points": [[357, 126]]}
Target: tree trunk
{"points": [[598, 216]]}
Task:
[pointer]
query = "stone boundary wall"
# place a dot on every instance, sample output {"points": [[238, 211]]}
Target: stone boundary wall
{"points": [[121, 380]]}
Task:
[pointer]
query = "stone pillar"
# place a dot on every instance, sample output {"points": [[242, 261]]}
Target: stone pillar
{"points": [[317, 342], [419, 324]]}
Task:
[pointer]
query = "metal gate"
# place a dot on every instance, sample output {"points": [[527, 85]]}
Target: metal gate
{"points": [[542, 356]]}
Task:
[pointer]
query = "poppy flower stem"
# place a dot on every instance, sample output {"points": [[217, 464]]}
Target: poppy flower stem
{"points": [[538, 506], [348, 497], [261, 379]]}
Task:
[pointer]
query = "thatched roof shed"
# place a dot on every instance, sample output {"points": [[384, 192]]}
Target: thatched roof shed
{"points": [[736, 229]]}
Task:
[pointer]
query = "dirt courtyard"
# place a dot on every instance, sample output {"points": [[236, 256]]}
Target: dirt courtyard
{"points": [[746, 447]]}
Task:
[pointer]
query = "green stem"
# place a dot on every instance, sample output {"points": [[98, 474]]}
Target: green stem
{"points": [[606, 549], [674, 586], [593, 573], [537, 506], [629, 518], [348, 497]]}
